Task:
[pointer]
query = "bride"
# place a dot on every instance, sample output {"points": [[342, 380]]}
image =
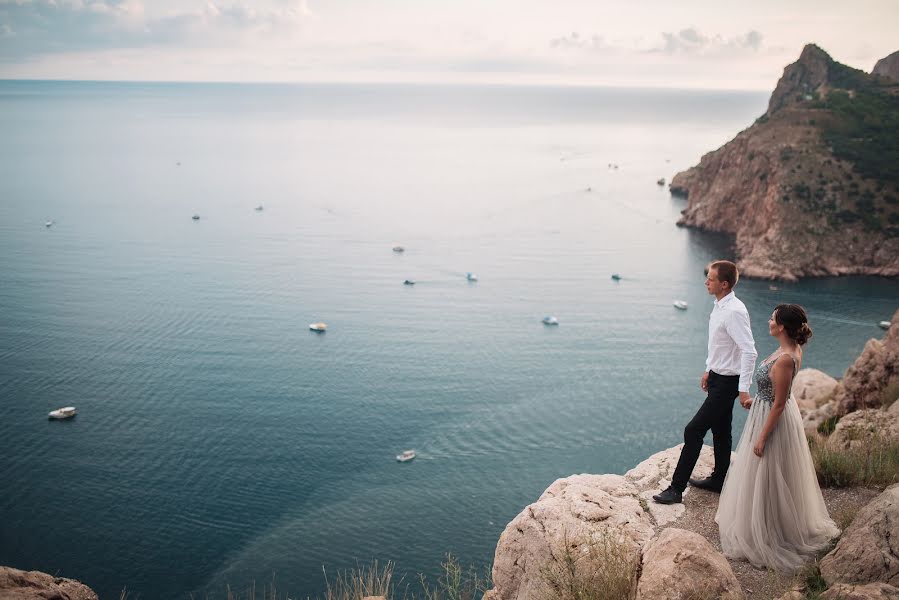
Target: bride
{"points": [[771, 510]]}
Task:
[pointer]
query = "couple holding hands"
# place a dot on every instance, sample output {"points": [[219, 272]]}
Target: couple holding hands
{"points": [[771, 511]]}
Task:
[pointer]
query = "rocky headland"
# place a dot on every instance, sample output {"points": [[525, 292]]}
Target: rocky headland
{"points": [[812, 187], [673, 552]]}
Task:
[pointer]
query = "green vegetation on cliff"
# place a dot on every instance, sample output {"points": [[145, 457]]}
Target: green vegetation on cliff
{"points": [[864, 130]]}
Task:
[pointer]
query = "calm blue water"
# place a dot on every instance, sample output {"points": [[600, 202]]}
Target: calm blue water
{"points": [[219, 441]]}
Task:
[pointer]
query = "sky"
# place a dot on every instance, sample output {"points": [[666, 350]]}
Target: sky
{"points": [[711, 44]]}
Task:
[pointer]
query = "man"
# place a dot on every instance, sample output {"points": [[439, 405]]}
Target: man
{"points": [[728, 373]]}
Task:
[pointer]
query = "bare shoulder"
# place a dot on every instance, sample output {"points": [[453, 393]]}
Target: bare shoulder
{"points": [[785, 365]]}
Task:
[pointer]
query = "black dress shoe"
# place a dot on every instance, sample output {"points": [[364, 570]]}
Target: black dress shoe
{"points": [[669, 496], [712, 485]]}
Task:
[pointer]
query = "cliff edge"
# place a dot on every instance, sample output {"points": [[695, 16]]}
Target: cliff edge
{"points": [[812, 187]]}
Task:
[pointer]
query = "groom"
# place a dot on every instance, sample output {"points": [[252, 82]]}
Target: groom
{"points": [[728, 373]]}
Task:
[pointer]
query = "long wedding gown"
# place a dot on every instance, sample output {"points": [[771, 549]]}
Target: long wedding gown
{"points": [[771, 510]]}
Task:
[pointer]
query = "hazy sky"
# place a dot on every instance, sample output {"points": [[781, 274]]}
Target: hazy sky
{"points": [[664, 43]]}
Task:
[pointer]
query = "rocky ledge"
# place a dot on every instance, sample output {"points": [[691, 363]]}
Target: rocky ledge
{"points": [[812, 187], [34, 585]]}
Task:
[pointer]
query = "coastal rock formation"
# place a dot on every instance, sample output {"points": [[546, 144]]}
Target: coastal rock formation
{"points": [[34, 585], [872, 375], [798, 191], [888, 66], [813, 388], [867, 552], [680, 564], [577, 511], [871, 591]]}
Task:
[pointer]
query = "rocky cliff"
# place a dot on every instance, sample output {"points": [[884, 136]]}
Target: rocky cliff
{"points": [[812, 187], [888, 66]]}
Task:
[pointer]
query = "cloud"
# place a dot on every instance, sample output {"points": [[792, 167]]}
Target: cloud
{"points": [[34, 27], [574, 41], [692, 42]]}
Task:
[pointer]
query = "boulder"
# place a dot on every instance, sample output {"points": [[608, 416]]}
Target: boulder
{"points": [[579, 510], [680, 565], [866, 382], [860, 428], [812, 389], [871, 591], [572, 512], [812, 419], [34, 585], [867, 552]]}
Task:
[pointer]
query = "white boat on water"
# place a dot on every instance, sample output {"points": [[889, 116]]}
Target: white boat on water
{"points": [[62, 413], [399, 249], [884, 324], [550, 320], [196, 217], [680, 304], [661, 181], [318, 326], [471, 277], [405, 456], [48, 224], [259, 208]]}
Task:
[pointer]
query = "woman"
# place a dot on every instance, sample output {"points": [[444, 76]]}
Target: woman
{"points": [[771, 510]]}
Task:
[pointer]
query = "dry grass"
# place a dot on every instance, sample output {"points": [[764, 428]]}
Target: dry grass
{"points": [[600, 568], [872, 464]]}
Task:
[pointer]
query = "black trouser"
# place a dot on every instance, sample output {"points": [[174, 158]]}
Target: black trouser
{"points": [[716, 413]]}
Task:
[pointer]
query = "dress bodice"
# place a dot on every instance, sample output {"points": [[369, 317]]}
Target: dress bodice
{"points": [[763, 379]]}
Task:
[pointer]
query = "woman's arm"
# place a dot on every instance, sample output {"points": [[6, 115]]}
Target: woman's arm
{"points": [[781, 376]]}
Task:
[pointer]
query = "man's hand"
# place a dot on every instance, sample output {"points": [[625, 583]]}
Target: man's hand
{"points": [[704, 382], [745, 400]]}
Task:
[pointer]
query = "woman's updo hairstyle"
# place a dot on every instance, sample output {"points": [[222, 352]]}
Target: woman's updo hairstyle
{"points": [[794, 321]]}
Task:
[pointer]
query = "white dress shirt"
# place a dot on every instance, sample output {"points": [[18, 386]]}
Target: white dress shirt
{"points": [[731, 347]]}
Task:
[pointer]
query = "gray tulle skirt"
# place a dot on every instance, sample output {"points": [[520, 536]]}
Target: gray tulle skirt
{"points": [[771, 510]]}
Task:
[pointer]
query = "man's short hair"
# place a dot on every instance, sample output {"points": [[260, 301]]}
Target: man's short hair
{"points": [[727, 271]]}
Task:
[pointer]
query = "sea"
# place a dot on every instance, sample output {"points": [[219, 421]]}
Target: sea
{"points": [[219, 442]]}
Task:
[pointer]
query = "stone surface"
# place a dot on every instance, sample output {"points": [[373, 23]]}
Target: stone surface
{"points": [[813, 418], [813, 388], [866, 381], [34, 585], [858, 429], [579, 509], [681, 565], [654, 474], [867, 550], [871, 591], [888, 66]]}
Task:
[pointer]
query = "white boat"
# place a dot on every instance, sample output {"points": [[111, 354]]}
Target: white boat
{"points": [[550, 320], [471, 277], [409, 282], [48, 224], [399, 249], [680, 304], [259, 208], [884, 324], [406, 456], [661, 181], [196, 217], [616, 277], [318, 326], [62, 413]]}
